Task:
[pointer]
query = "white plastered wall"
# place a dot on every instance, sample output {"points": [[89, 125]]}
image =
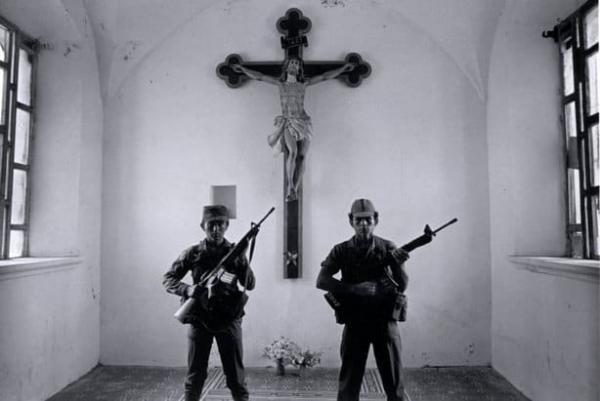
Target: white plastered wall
{"points": [[423, 123], [544, 327], [411, 137], [49, 335]]}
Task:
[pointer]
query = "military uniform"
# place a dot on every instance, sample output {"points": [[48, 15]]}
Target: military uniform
{"points": [[199, 259], [367, 301], [367, 320]]}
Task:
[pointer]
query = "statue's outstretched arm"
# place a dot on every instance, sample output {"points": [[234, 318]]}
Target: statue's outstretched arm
{"points": [[254, 74], [330, 74]]}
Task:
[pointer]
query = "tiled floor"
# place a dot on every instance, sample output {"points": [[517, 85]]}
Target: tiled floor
{"points": [[118, 383]]}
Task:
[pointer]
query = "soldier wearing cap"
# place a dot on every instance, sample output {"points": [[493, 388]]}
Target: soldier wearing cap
{"points": [[197, 260], [360, 260]]}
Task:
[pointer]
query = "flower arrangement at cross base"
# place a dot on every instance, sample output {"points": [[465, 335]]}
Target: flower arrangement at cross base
{"points": [[286, 352], [306, 359]]}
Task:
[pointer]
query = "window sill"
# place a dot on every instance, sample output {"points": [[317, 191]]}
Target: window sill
{"points": [[25, 267], [578, 269]]}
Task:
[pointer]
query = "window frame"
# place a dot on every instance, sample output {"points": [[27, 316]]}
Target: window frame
{"points": [[18, 41], [571, 33]]}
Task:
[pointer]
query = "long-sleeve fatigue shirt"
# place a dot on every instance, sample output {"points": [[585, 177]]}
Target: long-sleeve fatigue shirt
{"points": [[359, 265], [200, 258]]}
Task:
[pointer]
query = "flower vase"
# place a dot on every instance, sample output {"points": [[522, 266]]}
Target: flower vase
{"points": [[301, 371], [280, 368]]}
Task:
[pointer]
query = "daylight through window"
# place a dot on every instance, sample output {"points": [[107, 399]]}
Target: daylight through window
{"points": [[578, 39], [17, 73]]}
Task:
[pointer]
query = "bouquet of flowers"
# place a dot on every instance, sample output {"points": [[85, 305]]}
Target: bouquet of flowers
{"points": [[282, 350], [307, 359]]}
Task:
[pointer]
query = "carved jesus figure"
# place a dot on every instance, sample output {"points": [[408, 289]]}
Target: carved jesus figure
{"points": [[293, 129]]}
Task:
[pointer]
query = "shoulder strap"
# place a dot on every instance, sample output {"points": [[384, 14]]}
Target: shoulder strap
{"points": [[387, 272], [252, 243]]}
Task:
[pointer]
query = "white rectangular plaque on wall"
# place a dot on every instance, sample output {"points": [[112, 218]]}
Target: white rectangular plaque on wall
{"points": [[224, 195]]}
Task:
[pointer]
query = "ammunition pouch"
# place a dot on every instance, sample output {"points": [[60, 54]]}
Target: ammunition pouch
{"points": [[340, 317], [391, 307], [337, 306], [227, 304], [223, 307]]}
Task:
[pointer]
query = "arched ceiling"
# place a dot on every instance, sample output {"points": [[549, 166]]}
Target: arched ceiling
{"points": [[127, 31]]}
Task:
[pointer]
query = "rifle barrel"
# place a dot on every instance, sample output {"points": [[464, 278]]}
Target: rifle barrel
{"points": [[266, 215], [454, 220]]}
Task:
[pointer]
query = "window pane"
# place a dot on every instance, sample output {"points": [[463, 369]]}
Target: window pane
{"points": [[24, 84], [3, 76], [17, 243], [574, 193], [572, 155], [576, 239], [595, 171], [19, 192], [7, 165], [22, 136], [586, 167], [591, 27], [13, 71], [3, 43], [591, 81], [568, 82], [570, 120], [595, 219]]}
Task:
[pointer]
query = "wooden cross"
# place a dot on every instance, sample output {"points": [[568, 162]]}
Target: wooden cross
{"points": [[294, 26]]}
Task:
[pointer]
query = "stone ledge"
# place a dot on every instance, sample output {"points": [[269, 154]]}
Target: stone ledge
{"points": [[579, 269], [25, 267]]}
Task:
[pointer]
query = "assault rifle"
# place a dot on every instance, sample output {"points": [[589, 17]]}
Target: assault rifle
{"points": [[337, 304], [217, 275]]}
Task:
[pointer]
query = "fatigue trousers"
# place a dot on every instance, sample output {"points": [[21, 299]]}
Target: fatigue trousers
{"points": [[229, 342], [356, 340]]}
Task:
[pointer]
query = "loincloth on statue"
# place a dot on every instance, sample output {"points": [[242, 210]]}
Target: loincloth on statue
{"points": [[298, 129]]}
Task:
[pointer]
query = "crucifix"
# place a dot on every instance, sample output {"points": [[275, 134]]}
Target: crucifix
{"points": [[293, 129]]}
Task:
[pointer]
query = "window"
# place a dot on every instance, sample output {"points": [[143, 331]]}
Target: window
{"points": [[17, 73], [577, 37]]}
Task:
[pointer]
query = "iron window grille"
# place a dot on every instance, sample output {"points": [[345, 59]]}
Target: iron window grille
{"points": [[18, 61], [577, 37]]}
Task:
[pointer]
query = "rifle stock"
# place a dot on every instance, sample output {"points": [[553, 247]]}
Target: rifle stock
{"points": [[183, 313]]}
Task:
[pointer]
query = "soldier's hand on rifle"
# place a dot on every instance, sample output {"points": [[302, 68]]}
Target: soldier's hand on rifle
{"points": [[195, 291], [400, 255], [366, 289]]}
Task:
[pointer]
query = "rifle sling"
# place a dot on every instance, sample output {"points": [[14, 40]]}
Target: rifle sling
{"points": [[388, 273], [252, 243]]}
